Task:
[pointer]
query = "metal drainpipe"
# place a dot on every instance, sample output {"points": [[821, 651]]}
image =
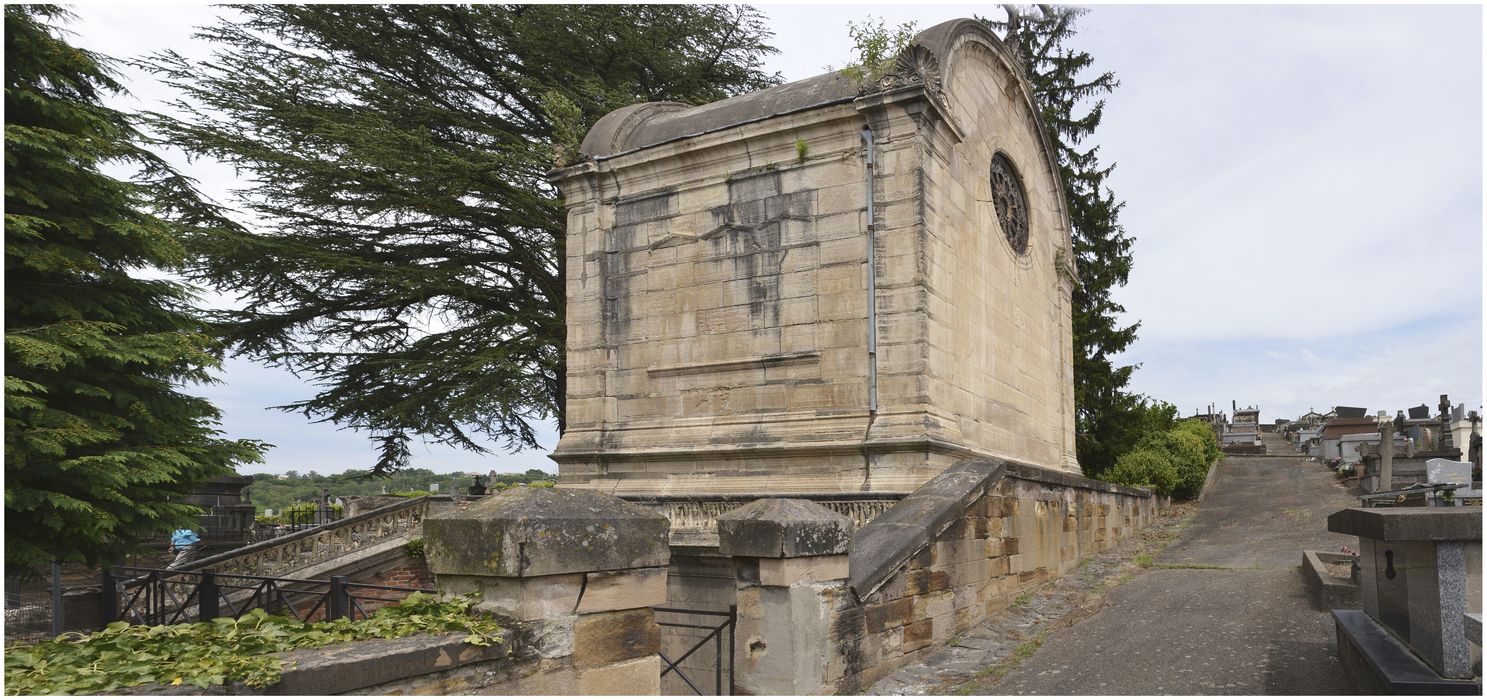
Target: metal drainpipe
{"points": [[872, 283]]}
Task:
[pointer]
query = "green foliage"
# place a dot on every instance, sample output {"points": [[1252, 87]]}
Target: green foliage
{"points": [[274, 491], [1121, 430], [802, 149], [414, 548], [297, 513], [567, 126], [98, 436], [217, 652], [1071, 108], [1203, 432], [411, 494], [877, 49], [1144, 468], [1188, 448], [407, 251]]}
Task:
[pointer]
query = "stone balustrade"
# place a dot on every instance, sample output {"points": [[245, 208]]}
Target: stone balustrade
{"points": [[284, 556]]}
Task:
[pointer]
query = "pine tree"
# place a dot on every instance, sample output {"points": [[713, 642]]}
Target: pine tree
{"points": [[98, 437], [407, 252], [1109, 418]]}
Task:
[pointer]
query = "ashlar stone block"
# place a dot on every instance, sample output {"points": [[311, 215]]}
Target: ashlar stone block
{"points": [[526, 532], [622, 590]]}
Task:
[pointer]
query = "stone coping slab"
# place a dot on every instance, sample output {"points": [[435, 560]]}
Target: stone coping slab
{"points": [[527, 531], [1028, 472], [1328, 592], [1409, 523], [1387, 667], [882, 546], [783, 527]]}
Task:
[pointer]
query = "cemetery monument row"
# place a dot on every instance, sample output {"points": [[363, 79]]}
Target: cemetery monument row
{"points": [[824, 287]]}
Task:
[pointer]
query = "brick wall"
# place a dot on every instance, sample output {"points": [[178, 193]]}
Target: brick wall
{"points": [[409, 572]]}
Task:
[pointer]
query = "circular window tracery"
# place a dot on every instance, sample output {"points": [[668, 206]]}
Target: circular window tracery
{"points": [[1010, 199]]}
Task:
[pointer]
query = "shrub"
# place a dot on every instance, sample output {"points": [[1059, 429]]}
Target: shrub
{"points": [[1190, 456], [1144, 468], [220, 651], [1204, 433]]}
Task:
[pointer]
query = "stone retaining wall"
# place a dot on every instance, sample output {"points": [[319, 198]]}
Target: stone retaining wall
{"points": [[1021, 532], [957, 550]]}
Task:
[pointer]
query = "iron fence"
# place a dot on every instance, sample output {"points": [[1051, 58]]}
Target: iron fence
{"points": [[711, 633], [166, 596], [45, 601]]}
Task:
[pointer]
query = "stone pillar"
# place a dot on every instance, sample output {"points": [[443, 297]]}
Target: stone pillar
{"points": [[574, 573], [790, 566]]}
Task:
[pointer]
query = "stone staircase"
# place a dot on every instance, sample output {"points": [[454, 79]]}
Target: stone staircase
{"points": [[345, 547]]}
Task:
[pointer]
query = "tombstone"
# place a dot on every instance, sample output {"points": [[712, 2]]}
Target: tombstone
{"points": [[478, 488], [1379, 456], [1474, 450], [1446, 471], [1418, 412], [1445, 418], [823, 287], [433, 488], [1420, 576], [1351, 412]]}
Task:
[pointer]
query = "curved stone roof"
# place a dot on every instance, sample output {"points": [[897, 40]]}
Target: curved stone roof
{"points": [[654, 123]]}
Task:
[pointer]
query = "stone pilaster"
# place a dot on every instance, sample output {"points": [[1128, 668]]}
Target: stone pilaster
{"points": [[790, 566], [574, 574]]}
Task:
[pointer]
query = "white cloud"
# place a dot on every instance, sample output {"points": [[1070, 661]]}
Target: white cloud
{"points": [[1304, 184]]}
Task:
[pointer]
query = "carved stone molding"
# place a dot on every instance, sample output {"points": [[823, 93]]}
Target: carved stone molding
{"points": [[916, 66], [695, 523]]}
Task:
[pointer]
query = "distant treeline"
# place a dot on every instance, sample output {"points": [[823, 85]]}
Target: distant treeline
{"points": [[278, 492]]}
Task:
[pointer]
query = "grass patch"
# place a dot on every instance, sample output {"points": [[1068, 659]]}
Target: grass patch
{"points": [[1146, 561], [1023, 599], [1022, 652]]}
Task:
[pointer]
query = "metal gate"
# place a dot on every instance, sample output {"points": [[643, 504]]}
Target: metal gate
{"points": [[722, 681]]}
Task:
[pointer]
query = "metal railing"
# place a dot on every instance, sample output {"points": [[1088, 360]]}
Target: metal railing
{"points": [[714, 635], [169, 596], [321, 543]]}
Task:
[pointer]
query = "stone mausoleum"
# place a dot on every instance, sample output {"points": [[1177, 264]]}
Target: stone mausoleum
{"points": [[823, 287], [824, 330]]}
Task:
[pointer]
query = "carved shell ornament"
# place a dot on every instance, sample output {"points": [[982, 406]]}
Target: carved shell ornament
{"points": [[1010, 200], [914, 66]]}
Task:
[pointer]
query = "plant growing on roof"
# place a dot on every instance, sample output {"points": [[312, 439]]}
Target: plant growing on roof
{"points": [[877, 49]]}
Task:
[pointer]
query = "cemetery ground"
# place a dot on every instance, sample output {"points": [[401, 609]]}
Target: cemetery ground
{"points": [[1208, 601]]}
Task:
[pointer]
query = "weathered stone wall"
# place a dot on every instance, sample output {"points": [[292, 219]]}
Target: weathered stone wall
{"points": [[1015, 533], [718, 287], [993, 368], [720, 300]]}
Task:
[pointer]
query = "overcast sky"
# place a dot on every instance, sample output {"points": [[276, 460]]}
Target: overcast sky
{"points": [[1304, 185]]}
